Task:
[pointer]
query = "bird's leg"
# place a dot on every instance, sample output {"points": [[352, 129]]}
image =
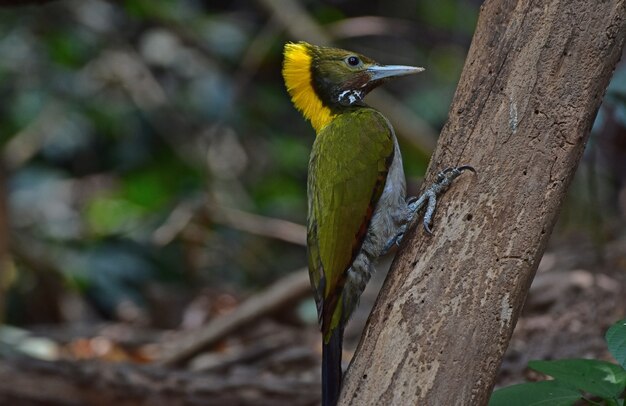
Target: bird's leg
{"points": [[444, 179]]}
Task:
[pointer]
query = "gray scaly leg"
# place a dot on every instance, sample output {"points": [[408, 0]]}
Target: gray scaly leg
{"points": [[442, 183], [444, 179]]}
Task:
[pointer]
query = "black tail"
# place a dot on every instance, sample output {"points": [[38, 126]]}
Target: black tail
{"points": [[331, 368]]}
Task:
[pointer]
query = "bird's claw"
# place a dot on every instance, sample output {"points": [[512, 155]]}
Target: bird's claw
{"points": [[429, 197], [395, 240], [448, 175], [427, 228]]}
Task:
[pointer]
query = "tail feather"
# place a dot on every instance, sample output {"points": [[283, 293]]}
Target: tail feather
{"points": [[331, 368]]}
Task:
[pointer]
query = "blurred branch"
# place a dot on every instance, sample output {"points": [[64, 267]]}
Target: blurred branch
{"points": [[301, 26], [371, 25], [251, 223], [243, 354], [297, 21], [254, 224], [399, 28], [283, 293], [13, 3], [30, 381], [27, 142], [175, 223]]}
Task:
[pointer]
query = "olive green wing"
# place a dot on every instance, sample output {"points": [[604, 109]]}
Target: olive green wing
{"points": [[347, 174]]}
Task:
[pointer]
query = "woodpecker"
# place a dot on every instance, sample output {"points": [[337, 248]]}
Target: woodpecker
{"points": [[357, 205]]}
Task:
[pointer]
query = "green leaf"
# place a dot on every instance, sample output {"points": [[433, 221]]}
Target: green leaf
{"points": [[616, 340], [112, 215], [599, 378], [546, 393], [148, 188], [67, 48]]}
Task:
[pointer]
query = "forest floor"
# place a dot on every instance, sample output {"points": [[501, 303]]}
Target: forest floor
{"points": [[271, 357]]}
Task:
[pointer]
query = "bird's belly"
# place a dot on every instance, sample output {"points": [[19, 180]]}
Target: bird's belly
{"points": [[391, 211]]}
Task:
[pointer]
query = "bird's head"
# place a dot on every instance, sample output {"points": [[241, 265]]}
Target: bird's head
{"points": [[323, 81]]}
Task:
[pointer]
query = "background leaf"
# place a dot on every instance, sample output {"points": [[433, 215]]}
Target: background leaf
{"points": [[616, 340], [596, 377], [547, 393]]}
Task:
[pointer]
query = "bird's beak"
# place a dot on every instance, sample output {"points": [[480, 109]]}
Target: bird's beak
{"points": [[378, 72]]}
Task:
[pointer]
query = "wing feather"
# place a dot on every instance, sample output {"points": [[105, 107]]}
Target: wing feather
{"points": [[347, 174]]}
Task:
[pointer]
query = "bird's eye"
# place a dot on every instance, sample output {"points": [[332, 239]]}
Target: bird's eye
{"points": [[353, 61]]}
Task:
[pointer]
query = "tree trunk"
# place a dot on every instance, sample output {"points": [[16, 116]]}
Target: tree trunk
{"points": [[530, 89]]}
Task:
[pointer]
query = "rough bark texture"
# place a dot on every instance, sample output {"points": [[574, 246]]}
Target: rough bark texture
{"points": [[532, 83]]}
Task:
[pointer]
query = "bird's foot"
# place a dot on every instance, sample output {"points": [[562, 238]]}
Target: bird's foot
{"points": [[444, 179]]}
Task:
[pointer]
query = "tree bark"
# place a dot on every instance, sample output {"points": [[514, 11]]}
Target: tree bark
{"points": [[530, 89]]}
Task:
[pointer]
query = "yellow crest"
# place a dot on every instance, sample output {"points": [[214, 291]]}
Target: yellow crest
{"points": [[297, 75]]}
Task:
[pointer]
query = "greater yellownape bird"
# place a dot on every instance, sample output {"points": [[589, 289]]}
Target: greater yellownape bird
{"points": [[357, 208]]}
